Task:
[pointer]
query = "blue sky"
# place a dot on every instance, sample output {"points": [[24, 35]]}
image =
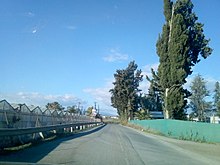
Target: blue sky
{"points": [[68, 51]]}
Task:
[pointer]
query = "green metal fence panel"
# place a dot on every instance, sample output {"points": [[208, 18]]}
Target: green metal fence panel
{"points": [[187, 130]]}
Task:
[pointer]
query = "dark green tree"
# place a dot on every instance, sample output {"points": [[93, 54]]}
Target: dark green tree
{"points": [[179, 46], [216, 98], [142, 114], [89, 111], [197, 99], [125, 94], [72, 109], [54, 105], [151, 101]]}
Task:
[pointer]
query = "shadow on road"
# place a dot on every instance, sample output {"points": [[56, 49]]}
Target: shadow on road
{"points": [[37, 152]]}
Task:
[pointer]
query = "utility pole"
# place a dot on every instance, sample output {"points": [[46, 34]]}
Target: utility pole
{"points": [[98, 109], [95, 105], [79, 108]]}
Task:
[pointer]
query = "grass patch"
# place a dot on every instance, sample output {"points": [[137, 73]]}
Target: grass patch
{"points": [[16, 148], [148, 130], [20, 147]]}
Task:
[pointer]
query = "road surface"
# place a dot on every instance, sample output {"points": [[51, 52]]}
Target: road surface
{"points": [[118, 145]]}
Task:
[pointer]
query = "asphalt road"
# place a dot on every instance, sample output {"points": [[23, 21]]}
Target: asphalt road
{"points": [[118, 145]]}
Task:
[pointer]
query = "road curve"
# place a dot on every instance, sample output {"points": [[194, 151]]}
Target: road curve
{"points": [[113, 145]]}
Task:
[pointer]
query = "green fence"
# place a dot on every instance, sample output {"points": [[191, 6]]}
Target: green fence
{"points": [[204, 132]]}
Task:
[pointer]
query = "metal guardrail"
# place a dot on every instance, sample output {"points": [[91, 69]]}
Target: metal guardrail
{"points": [[31, 130]]}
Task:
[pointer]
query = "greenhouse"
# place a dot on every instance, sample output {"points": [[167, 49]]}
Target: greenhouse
{"points": [[55, 117], [37, 117], [47, 117], [8, 115], [23, 116]]}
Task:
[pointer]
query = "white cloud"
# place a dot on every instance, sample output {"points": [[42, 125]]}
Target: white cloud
{"points": [[29, 14], [38, 99], [115, 55], [71, 27], [34, 30], [146, 70], [144, 86], [36, 27], [103, 97]]}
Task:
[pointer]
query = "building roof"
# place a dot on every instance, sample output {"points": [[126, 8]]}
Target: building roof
{"points": [[5, 106]]}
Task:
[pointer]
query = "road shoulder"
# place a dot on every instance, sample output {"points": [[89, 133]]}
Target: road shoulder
{"points": [[207, 152]]}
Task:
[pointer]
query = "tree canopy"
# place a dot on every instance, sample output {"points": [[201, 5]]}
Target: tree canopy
{"points": [[72, 109], [125, 94], [54, 105], [89, 111], [179, 48], [197, 99]]}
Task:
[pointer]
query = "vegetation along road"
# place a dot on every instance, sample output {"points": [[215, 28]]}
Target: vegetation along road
{"points": [[115, 144]]}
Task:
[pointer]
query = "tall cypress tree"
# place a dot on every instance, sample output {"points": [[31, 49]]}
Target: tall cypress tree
{"points": [[178, 47]]}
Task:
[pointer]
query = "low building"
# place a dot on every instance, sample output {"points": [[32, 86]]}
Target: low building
{"points": [[156, 114], [215, 119], [94, 112]]}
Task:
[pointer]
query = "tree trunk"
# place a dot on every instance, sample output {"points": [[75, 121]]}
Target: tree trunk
{"points": [[166, 112]]}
